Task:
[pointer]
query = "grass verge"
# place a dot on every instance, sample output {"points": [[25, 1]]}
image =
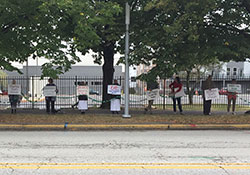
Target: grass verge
{"points": [[117, 119]]}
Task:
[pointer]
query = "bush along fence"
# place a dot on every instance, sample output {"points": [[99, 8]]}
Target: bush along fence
{"points": [[32, 95]]}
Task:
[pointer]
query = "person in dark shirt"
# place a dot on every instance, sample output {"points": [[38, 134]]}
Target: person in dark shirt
{"points": [[82, 103], [50, 101], [207, 85], [151, 85], [115, 103]]}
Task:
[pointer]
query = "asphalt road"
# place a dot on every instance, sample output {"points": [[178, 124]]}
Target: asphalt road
{"points": [[124, 152]]}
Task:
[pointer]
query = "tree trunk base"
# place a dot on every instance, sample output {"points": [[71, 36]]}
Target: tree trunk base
{"points": [[105, 105]]}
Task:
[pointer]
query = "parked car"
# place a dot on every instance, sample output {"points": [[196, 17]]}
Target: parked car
{"points": [[93, 92], [198, 91], [4, 92]]}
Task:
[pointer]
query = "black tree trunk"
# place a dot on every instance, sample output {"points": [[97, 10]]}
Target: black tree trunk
{"points": [[189, 91], [108, 72]]}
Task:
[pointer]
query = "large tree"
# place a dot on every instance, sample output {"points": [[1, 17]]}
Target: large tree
{"points": [[36, 28], [187, 34], [108, 22]]}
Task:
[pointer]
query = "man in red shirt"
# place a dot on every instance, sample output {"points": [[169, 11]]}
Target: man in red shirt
{"points": [[176, 89]]}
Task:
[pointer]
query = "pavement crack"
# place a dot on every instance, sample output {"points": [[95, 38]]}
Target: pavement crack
{"points": [[221, 167], [11, 169]]}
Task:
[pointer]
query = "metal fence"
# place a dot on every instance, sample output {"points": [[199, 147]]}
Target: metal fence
{"points": [[32, 96]]}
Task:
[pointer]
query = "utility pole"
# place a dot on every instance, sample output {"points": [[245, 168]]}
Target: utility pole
{"points": [[127, 21]]}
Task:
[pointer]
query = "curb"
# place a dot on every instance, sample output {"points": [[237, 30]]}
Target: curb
{"points": [[80, 127]]}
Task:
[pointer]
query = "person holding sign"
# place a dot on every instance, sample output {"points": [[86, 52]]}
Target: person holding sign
{"points": [[82, 92], [115, 102], [50, 91], [231, 97], [152, 93], [207, 85], [14, 92], [177, 92]]}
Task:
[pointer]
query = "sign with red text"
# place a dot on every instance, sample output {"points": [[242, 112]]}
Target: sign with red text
{"points": [[114, 89], [82, 90]]}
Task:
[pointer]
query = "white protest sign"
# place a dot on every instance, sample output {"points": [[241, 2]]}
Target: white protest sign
{"points": [[14, 89], [181, 93], [211, 94], [82, 90], [234, 88], [152, 95], [49, 91], [114, 89]]}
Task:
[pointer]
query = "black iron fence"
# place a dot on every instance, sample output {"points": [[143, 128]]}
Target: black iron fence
{"points": [[32, 95]]}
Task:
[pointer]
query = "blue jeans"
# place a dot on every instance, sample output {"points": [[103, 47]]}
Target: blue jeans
{"points": [[179, 104]]}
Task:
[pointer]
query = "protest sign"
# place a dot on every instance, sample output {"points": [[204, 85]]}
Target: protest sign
{"points": [[234, 88], [211, 94], [114, 89], [152, 95], [82, 90], [49, 91], [14, 89], [181, 93]]}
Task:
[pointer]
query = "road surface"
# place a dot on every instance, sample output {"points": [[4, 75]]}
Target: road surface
{"points": [[125, 152]]}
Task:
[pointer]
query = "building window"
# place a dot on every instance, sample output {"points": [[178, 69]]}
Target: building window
{"points": [[235, 71], [241, 72], [97, 83], [228, 71], [133, 79]]}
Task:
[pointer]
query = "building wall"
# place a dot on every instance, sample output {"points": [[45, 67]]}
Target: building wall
{"points": [[92, 75], [235, 68]]}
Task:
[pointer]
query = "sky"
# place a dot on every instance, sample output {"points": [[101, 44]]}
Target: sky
{"points": [[86, 60]]}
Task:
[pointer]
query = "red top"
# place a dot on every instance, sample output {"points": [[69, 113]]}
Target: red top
{"points": [[174, 85], [231, 95]]}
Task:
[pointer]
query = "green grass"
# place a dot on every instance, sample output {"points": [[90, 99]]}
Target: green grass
{"points": [[117, 119]]}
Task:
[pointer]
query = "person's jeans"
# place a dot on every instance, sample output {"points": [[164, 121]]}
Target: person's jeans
{"points": [[206, 106], [50, 103], [229, 104], [149, 107], [179, 104]]}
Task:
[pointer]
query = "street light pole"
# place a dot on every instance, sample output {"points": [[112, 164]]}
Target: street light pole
{"points": [[127, 21]]}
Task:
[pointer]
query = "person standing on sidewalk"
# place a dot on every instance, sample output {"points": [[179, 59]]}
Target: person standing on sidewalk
{"points": [[231, 97], [50, 100], [115, 102], [13, 100], [177, 92], [151, 85], [207, 85], [82, 103]]}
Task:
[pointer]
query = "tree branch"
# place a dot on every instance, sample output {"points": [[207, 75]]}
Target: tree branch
{"points": [[246, 4]]}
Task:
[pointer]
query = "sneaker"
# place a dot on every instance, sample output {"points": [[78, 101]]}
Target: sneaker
{"points": [[181, 113], [233, 113]]}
